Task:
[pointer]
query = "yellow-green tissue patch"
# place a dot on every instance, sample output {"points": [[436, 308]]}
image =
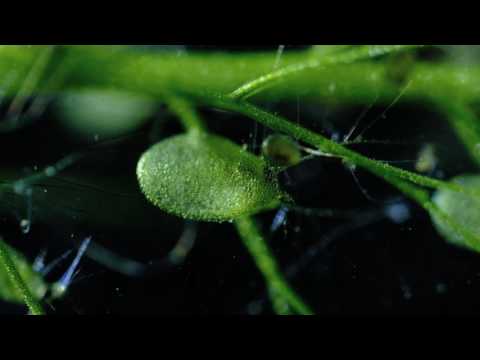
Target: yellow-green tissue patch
{"points": [[463, 209], [205, 177], [281, 150]]}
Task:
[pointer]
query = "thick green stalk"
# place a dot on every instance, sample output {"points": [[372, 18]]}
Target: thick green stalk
{"points": [[6, 261], [155, 73], [279, 290]]}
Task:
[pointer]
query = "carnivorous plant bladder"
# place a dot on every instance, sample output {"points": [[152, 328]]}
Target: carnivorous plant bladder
{"points": [[200, 176]]}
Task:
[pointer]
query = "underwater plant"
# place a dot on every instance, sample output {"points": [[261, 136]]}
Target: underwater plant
{"points": [[98, 98]]}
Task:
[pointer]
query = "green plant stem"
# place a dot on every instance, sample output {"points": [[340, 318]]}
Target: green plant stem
{"points": [[6, 261], [153, 74], [138, 71], [280, 294], [186, 113], [325, 145], [279, 290], [345, 57]]}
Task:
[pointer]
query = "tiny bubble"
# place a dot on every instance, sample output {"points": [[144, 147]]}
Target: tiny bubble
{"points": [[19, 187], [398, 213], [335, 137], [441, 288], [254, 308], [25, 226], [50, 171]]}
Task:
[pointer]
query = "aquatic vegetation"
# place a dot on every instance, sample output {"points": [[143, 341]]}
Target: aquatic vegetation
{"points": [[198, 174], [207, 178]]}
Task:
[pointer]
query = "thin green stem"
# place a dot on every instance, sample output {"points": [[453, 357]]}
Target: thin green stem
{"points": [[279, 290], [186, 113], [6, 261], [365, 52], [325, 145]]}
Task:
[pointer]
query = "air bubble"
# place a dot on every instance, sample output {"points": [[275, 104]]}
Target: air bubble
{"points": [[19, 187], [397, 212], [25, 226], [50, 171], [441, 288]]}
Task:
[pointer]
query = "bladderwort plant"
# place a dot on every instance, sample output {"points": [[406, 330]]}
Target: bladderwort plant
{"points": [[201, 176]]}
